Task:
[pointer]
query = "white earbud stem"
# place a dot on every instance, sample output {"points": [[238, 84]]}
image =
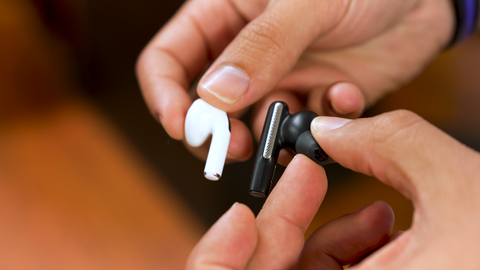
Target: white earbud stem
{"points": [[202, 121]]}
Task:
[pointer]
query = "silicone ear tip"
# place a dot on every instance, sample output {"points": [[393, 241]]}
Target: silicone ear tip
{"points": [[307, 145]]}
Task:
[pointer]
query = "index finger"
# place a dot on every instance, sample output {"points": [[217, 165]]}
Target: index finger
{"points": [[287, 213], [178, 53]]}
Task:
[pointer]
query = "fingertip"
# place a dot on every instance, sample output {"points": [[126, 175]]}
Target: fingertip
{"points": [[326, 123], [238, 211], [348, 239], [284, 157], [379, 216], [307, 191], [242, 212], [224, 86], [172, 117], [346, 99], [168, 103], [287, 213], [229, 243], [241, 142], [175, 128]]}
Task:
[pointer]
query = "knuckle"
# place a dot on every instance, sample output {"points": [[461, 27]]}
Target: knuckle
{"points": [[396, 127], [267, 31], [390, 140], [264, 39], [398, 118]]}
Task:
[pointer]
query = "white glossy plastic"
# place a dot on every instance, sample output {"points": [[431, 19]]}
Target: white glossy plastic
{"points": [[202, 121]]}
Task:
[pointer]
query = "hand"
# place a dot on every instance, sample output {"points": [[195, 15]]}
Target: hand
{"points": [[276, 238], [402, 150], [440, 176], [330, 56]]}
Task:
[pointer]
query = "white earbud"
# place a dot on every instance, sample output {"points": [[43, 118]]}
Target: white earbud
{"points": [[202, 120]]}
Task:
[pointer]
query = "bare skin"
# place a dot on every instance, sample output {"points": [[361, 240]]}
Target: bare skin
{"points": [[440, 175], [334, 57]]}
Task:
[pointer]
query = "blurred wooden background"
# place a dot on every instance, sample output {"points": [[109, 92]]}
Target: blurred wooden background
{"points": [[89, 181], [74, 193]]}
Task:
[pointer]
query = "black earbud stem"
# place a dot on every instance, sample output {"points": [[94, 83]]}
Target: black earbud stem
{"points": [[283, 130]]}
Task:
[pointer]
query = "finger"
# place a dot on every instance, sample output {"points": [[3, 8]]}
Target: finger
{"points": [[177, 54], [269, 46], [395, 235], [266, 50], [239, 149], [420, 161], [390, 239], [330, 90], [241, 143], [349, 238], [402, 150], [287, 213], [346, 95], [342, 99], [228, 244]]}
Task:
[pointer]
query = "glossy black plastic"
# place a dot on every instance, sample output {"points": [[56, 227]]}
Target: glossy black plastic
{"points": [[293, 134]]}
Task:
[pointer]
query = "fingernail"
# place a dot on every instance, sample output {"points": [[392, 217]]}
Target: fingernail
{"points": [[232, 157], [325, 123], [363, 207], [231, 207], [227, 83], [227, 215], [161, 118]]}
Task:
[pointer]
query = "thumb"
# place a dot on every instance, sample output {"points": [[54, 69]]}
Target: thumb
{"points": [[400, 149], [266, 50], [424, 164]]}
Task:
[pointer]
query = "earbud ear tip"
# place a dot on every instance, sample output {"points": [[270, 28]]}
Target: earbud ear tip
{"points": [[307, 145], [197, 129]]}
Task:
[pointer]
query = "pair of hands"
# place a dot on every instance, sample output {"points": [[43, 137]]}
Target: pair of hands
{"points": [[334, 57], [440, 176]]}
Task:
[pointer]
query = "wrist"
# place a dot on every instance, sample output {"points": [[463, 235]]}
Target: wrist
{"points": [[478, 18], [466, 19]]}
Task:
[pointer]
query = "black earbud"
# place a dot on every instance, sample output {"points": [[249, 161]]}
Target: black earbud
{"points": [[283, 130]]}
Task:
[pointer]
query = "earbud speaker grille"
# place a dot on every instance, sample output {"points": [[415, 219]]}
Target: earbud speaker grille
{"points": [[272, 130]]}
